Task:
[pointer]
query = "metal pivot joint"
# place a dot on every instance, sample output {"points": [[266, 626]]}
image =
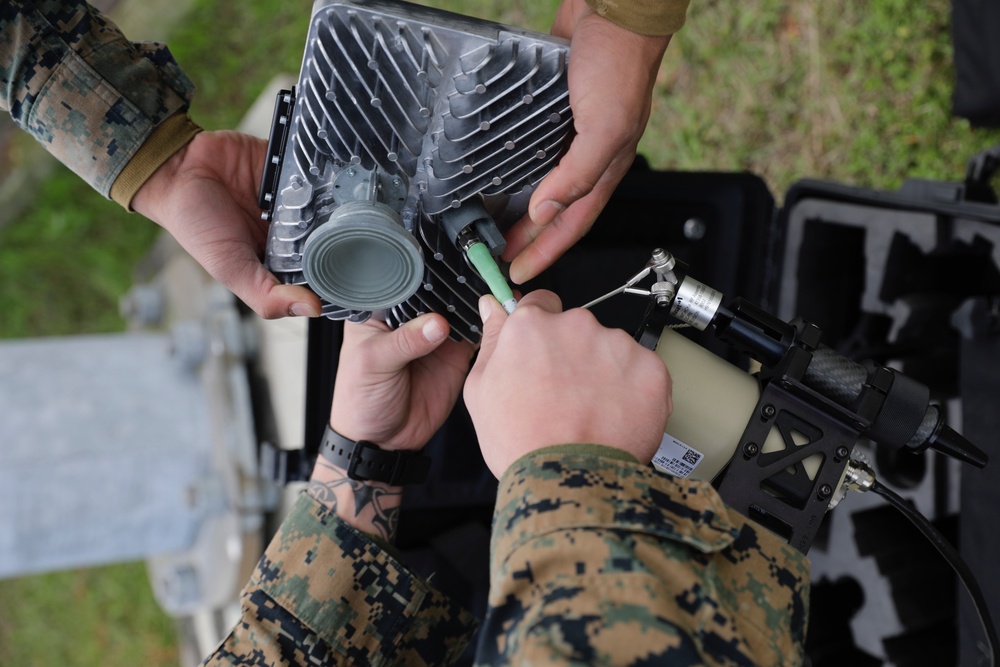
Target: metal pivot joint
{"points": [[662, 291]]}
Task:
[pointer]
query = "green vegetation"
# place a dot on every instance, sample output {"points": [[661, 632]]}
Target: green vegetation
{"points": [[97, 616], [853, 92], [845, 91], [66, 261]]}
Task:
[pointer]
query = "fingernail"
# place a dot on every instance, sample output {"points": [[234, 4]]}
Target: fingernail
{"points": [[485, 308], [516, 272], [433, 331], [546, 212], [302, 310]]}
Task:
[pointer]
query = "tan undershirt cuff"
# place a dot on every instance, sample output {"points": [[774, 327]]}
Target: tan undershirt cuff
{"points": [[169, 137], [644, 17]]}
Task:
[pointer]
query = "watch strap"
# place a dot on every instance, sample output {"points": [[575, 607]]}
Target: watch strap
{"points": [[366, 462]]}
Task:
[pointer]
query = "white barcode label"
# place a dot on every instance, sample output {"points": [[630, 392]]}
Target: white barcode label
{"points": [[676, 458]]}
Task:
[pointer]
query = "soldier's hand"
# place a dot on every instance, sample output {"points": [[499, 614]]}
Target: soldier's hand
{"points": [[396, 387], [545, 377], [611, 76], [205, 195]]}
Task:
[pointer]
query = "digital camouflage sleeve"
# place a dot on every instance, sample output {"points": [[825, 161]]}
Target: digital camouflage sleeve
{"points": [[326, 594], [91, 97], [599, 560], [596, 560]]}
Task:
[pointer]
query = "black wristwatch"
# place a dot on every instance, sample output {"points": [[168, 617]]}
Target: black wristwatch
{"points": [[366, 462]]}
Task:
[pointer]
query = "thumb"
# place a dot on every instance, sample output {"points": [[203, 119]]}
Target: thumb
{"points": [[289, 300], [415, 339], [267, 296]]}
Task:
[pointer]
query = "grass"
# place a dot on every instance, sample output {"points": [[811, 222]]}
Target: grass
{"points": [[852, 92], [79, 259], [834, 90], [96, 616]]}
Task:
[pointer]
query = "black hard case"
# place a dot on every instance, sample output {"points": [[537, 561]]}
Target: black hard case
{"points": [[909, 278]]}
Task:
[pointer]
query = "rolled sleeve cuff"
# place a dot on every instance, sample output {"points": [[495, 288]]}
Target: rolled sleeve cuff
{"points": [[169, 137], [644, 17]]}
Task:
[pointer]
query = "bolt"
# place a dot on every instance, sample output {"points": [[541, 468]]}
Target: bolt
{"points": [[694, 229], [825, 491], [841, 453], [663, 292], [768, 411], [750, 450]]}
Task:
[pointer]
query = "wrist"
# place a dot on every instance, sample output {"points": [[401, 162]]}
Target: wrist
{"points": [[364, 460], [370, 507], [646, 49], [148, 199]]}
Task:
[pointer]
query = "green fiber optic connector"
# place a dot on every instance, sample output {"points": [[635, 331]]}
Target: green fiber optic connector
{"points": [[487, 267]]}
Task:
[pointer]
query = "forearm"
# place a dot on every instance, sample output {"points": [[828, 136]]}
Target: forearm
{"points": [[602, 559], [370, 507], [75, 83]]}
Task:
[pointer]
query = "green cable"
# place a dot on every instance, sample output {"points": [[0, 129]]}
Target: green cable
{"points": [[487, 267]]}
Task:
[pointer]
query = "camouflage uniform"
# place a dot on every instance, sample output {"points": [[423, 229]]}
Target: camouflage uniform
{"points": [[91, 97], [596, 559]]}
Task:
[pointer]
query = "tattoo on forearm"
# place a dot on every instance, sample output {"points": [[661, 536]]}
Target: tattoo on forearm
{"points": [[376, 506]]}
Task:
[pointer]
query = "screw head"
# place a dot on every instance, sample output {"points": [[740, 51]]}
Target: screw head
{"points": [[768, 411], [750, 450], [694, 229], [841, 453], [825, 491]]}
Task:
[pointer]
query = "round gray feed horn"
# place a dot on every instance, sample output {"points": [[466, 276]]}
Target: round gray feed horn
{"points": [[363, 258]]}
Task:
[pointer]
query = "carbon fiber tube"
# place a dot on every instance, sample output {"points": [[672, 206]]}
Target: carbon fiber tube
{"points": [[835, 376], [905, 417]]}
